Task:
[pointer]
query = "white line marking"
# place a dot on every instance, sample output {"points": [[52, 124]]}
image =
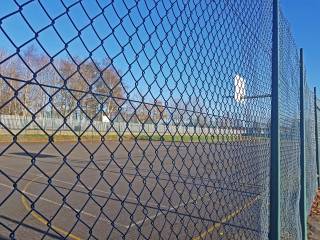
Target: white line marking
{"points": [[63, 205], [94, 190], [79, 185], [170, 209]]}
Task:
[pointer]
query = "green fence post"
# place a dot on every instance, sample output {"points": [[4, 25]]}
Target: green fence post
{"points": [[274, 224], [303, 194], [316, 107]]}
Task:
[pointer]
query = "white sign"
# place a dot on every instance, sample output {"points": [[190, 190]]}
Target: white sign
{"points": [[240, 90], [105, 119]]}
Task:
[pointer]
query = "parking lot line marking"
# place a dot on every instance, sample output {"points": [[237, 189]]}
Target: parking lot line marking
{"points": [[40, 218], [226, 219]]}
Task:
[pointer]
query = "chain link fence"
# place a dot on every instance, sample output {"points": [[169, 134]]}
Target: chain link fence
{"points": [[310, 151], [289, 73], [129, 129], [317, 134], [146, 120]]}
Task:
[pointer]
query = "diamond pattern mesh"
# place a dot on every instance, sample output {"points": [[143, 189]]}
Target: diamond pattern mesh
{"points": [[143, 120]]}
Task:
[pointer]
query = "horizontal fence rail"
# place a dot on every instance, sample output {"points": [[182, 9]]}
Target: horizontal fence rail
{"points": [[163, 119]]}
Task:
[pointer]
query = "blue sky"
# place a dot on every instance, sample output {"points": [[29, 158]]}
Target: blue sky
{"points": [[304, 18], [164, 49], [170, 51]]}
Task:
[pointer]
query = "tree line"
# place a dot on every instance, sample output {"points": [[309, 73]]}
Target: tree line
{"points": [[33, 84]]}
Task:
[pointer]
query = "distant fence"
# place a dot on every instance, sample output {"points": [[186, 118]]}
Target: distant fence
{"points": [[17, 123], [233, 62]]}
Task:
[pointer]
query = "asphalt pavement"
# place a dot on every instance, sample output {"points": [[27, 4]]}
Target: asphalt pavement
{"points": [[134, 190]]}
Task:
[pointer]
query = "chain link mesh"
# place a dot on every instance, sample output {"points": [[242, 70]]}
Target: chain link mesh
{"points": [[144, 120], [289, 72], [310, 147]]}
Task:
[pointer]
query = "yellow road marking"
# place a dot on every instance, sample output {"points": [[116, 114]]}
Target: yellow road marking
{"points": [[40, 218], [226, 219]]}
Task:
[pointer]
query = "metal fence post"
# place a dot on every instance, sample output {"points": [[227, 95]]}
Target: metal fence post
{"points": [[303, 193], [316, 134], [274, 224]]}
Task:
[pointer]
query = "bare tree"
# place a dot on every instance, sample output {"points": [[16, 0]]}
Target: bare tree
{"points": [[38, 95], [143, 113], [111, 88], [158, 111], [30, 58], [178, 113], [89, 74], [51, 78], [8, 83], [79, 78], [72, 82], [68, 95]]}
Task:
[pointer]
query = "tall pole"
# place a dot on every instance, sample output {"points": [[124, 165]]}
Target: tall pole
{"points": [[316, 134], [274, 224], [303, 193]]}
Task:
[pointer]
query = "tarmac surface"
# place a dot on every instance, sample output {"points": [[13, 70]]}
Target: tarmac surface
{"points": [[134, 190]]}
